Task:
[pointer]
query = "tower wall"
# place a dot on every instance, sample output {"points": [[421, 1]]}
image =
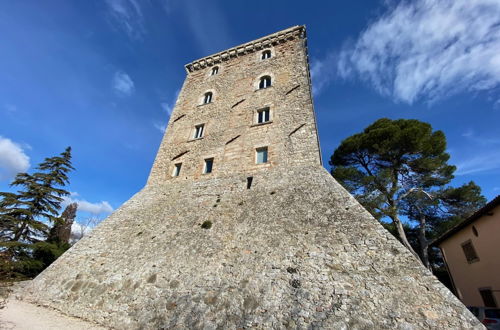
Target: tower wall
{"points": [[294, 250], [231, 131]]}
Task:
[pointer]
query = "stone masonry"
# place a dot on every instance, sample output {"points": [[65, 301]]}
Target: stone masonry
{"points": [[276, 244]]}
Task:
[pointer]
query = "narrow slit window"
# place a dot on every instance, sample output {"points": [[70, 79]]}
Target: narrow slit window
{"points": [[249, 182], [215, 70], [177, 169], [198, 131], [265, 82], [209, 164], [266, 54], [261, 156], [263, 116], [208, 98]]}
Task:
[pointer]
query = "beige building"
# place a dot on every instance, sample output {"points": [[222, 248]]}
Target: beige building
{"points": [[472, 254]]}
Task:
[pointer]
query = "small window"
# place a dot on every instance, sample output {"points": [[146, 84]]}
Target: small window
{"points": [[208, 98], [265, 55], [177, 169], [488, 298], [261, 155], [265, 82], [215, 70], [198, 131], [263, 115], [209, 164], [470, 252]]}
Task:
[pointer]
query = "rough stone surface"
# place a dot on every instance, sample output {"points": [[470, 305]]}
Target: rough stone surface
{"points": [[294, 251]]}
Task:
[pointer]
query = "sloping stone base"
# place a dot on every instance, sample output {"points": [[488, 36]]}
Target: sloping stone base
{"points": [[293, 251]]}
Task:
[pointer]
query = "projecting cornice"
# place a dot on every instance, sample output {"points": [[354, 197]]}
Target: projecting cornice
{"points": [[249, 47]]}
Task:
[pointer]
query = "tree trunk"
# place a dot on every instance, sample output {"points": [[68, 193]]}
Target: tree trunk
{"points": [[424, 244], [402, 235]]}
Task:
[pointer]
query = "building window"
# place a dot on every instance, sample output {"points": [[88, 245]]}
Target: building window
{"points": [[261, 155], [198, 131], [470, 252], [265, 55], [488, 298], [215, 70], [263, 115], [208, 98], [265, 82], [177, 169], [209, 164]]}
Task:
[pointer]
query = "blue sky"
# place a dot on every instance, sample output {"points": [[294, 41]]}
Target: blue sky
{"points": [[102, 76]]}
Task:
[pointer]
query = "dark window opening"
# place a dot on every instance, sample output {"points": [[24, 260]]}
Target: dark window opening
{"points": [[177, 169], [215, 70], [208, 98], [470, 252], [249, 182], [263, 116], [209, 164], [265, 82], [266, 54], [261, 155], [198, 131], [488, 298]]}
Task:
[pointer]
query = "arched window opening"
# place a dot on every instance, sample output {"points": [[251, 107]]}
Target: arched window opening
{"points": [[265, 55], [208, 98], [215, 70], [265, 82]]}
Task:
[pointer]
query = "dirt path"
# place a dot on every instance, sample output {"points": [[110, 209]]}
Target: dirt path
{"points": [[24, 316]]}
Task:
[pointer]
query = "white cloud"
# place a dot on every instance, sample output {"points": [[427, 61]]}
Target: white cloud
{"points": [[481, 154], [161, 127], [12, 159], [86, 206], [127, 16], [480, 163], [428, 49], [10, 108], [123, 84]]}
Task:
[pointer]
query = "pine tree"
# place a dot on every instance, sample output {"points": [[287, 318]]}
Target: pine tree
{"points": [[26, 216]]}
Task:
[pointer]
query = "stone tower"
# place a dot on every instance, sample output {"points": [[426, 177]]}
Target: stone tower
{"points": [[240, 226]]}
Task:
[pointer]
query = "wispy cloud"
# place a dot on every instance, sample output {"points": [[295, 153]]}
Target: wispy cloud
{"points": [[428, 49], [127, 16], [10, 108], [12, 159], [323, 71], [161, 127], [481, 154], [206, 20], [123, 84], [167, 107], [102, 207], [479, 163]]}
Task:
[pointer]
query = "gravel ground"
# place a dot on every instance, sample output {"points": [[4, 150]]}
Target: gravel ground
{"points": [[24, 316]]}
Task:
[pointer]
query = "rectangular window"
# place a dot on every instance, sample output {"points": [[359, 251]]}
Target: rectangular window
{"points": [[263, 116], [470, 252], [209, 164], [488, 298], [261, 155], [177, 169], [198, 131]]}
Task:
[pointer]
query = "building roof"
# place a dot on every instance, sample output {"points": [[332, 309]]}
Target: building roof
{"points": [[249, 47], [478, 214]]}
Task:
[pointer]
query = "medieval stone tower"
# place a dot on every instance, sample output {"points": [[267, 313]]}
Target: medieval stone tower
{"points": [[239, 225]]}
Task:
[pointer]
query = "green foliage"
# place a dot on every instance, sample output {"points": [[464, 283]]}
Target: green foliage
{"points": [[400, 168], [206, 224], [26, 216]]}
